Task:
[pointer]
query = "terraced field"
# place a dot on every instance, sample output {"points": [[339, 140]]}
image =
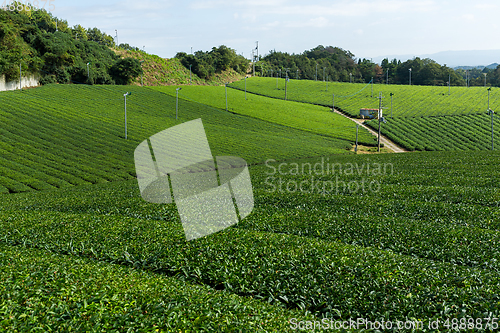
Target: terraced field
{"points": [[421, 118], [408, 101], [445, 133], [332, 236], [59, 136], [335, 254], [311, 118]]}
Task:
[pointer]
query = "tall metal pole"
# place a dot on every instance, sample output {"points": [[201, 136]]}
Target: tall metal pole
{"points": [[387, 76], [324, 69], [286, 86], [125, 96], [391, 104], [379, 120], [357, 129], [245, 88], [297, 74], [372, 86], [489, 98], [410, 76], [449, 84], [492, 147], [176, 103]]}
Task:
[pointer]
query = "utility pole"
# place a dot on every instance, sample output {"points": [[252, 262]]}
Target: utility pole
{"points": [[245, 88], [297, 74], [324, 69], [253, 62], [387, 76], [410, 76]]}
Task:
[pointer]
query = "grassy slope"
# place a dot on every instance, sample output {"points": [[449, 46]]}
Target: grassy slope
{"points": [[160, 72], [64, 135], [302, 116]]}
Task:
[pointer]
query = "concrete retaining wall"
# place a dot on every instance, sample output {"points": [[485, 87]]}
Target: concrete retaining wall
{"points": [[30, 81]]}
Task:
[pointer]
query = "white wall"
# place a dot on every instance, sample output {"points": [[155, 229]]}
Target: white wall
{"points": [[30, 81]]}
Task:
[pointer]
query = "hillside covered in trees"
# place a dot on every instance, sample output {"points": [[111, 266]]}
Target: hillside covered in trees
{"points": [[336, 64], [46, 46]]}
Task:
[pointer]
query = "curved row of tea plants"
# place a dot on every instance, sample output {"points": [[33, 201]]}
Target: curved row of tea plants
{"points": [[301, 116], [408, 101], [64, 135], [40, 290], [339, 255], [463, 132]]}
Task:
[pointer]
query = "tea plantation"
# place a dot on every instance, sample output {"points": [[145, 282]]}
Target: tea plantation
{"points": [[421, 117], [332, 236]]}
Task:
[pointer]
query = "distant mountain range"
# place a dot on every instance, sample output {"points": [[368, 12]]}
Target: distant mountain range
{"points": [[471, 59], [492, 66]]}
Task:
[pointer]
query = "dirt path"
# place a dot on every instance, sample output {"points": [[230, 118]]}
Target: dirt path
{"points": [[387, 143]]}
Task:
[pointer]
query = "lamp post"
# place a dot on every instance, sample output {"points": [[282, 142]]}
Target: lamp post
{"points": [[245, 88], [350, 77], [142, 73], [116, 37], [177, 102], [297, 74], [324, 71], [88, 71], [125, 97], [410, 75]]}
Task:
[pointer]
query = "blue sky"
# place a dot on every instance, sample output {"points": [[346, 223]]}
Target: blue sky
{"points": [[368, 28]]}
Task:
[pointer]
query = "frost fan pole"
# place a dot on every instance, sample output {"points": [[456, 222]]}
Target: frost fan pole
{"points": [[356, 149], [125, 97], [379, 118]]}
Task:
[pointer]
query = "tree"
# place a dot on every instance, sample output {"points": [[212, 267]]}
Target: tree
{"points": [[125, 70]]}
